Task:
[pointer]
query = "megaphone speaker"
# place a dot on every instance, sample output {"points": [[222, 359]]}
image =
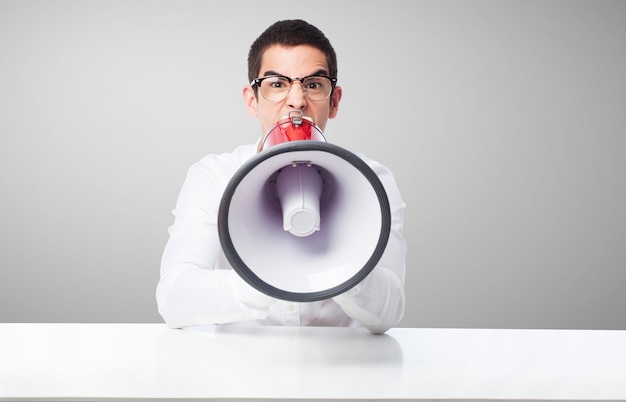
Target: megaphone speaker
{"points": [[304, 221]]}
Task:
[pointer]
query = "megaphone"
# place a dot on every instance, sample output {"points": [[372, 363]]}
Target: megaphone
{"points": [[303, 220]]}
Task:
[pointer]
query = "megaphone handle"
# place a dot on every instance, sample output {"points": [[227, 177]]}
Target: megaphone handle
{"points": [[299, 188]]}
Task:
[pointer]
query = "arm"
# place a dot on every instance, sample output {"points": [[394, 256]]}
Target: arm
{"points": [[197, 285], [378, 301]]}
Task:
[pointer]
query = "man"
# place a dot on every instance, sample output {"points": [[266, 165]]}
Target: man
{"points": [[197, 285]]}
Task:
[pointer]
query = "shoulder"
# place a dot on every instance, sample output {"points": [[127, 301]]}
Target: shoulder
{"points": [[387, 178], [227, 162], [207, 178], [213, 171], [377, 167]]}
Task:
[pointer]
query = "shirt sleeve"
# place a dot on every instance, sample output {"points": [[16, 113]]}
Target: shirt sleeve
{"points": [[197, 285], [377, 302]]}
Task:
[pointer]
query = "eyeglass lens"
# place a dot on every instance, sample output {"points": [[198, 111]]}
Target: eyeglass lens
{"points": [[276, 88]]}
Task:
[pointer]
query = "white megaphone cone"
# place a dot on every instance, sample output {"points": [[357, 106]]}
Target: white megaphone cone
{"points": [[303, 220]]}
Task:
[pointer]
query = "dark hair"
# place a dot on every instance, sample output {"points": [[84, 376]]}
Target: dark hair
{"points": [[290, 33]]}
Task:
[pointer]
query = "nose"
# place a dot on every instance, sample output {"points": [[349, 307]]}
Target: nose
{"points": [[296, 99]]}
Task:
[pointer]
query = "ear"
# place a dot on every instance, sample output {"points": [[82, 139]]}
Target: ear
{"points": [[334, 102], [250, 100]]}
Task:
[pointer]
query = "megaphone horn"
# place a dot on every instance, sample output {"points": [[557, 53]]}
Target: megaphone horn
{"points": [[304, 220]]}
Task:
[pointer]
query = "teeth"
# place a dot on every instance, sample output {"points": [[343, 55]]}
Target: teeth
{"points": [[304, 117]]}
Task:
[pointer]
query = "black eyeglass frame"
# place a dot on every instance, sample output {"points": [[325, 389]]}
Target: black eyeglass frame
{"points": [[257, 82]]}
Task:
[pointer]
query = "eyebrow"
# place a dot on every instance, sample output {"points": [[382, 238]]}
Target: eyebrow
{"points": [[318, 72]]}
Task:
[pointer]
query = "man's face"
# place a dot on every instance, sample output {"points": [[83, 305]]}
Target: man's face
{"points": [[298, 61]]}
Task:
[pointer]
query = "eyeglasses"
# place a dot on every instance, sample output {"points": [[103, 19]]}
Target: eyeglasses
{"points": [[275, 88]]}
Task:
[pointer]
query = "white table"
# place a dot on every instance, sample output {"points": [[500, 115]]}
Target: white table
{"points": [[152, 362]]}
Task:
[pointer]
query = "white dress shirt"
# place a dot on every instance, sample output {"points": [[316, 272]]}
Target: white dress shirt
{"points": [[198, 286]]}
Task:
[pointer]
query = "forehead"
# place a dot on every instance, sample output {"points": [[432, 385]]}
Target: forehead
{"points": [[295, 61]]}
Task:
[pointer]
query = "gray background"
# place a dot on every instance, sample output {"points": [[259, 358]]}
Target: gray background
{"points": [[503, 121]]}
